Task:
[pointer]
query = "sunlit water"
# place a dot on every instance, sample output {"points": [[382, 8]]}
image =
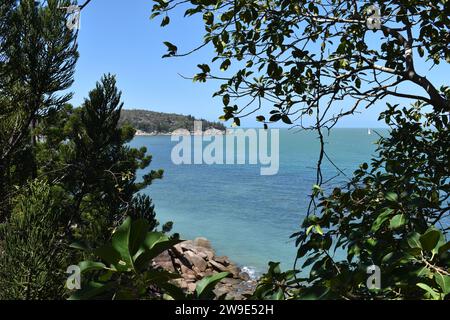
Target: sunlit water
{"points": [[249, 217]]}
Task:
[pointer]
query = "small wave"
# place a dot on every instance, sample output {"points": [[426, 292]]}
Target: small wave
{"points": [[252, 272]]}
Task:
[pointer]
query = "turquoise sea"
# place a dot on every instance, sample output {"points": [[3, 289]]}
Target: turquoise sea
{"points": [[249, 217]]}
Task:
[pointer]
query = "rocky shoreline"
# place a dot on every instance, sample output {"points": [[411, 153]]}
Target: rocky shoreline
{"points": [[195, 259], [180, 132]]}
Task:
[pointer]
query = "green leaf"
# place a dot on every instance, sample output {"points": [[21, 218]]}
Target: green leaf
{"points": [[139, 229], [172, 290], [286, 119], [444, 248], [414, 240], [204, 67], [430, 239], [91, 290], [160, 275], [155, 243], [397, 221], [421, 51], [207, 284], [165, 21], [382, 217], [309, 229], [121, 242], [225, 64], [275, 117], [170, 46], [226, 99], [428, 289], [443, 281], [391, 196], [319, 229], [86, 266], [279, 295], [109, 254], [78, 246]]}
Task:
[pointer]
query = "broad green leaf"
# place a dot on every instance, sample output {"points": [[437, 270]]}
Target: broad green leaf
{"points": [[443, 281], [430, 239], [155, 243], [391, 196], [414, 240], [86, 266], [171, 290], [91, 290], [108, 254], [435, 295], [382, 217], [121, 242], [279, 295], [444, 248], [160, 275], [206, 285], [397, 221], [423, 272], [139, 230]]}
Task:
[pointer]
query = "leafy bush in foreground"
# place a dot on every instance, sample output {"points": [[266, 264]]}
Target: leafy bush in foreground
{"points": [[393, 214], [126, 271]]}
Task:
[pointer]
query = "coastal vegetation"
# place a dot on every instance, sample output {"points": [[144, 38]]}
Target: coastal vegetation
{"points": [[163, 123], [69, 187]]}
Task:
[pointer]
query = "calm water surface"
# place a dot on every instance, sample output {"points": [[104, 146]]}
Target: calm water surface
{"points": [[250, 217]]}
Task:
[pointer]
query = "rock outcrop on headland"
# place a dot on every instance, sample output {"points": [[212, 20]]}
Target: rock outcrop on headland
{"points": [[195, 259]]}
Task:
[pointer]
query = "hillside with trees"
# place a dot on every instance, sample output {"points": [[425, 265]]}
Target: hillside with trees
{"points": [[160, 122]]}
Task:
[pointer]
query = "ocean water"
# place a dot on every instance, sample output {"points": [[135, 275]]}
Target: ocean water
{"points": [[246, 216]]}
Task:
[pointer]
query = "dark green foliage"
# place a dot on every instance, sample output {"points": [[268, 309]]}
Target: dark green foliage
{"points": [[125, 271], [94, 164], [141, 207], [158, 122], [65, 174], [33, 253], [38, 55], [275, 284], [394, 214]]}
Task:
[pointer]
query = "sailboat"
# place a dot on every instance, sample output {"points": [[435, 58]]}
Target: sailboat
{"points": [[369, 132]]}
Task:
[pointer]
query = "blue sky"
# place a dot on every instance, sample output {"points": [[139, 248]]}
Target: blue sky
{"points": [[118, 37]]}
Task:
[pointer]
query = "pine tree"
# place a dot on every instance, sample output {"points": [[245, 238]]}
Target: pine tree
{"points": [[99, 168], [37, 62]]}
